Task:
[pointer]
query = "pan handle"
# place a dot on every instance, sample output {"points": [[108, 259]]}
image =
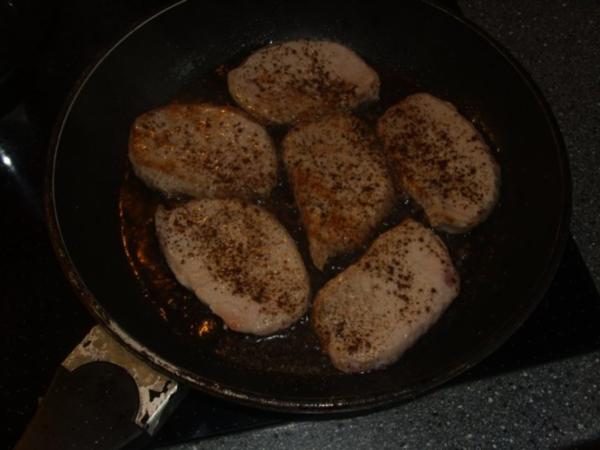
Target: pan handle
{"points": [[91, 407], [101, 397]]}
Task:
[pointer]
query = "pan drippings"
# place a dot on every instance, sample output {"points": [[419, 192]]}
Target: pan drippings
{"points": [[295, 349]]}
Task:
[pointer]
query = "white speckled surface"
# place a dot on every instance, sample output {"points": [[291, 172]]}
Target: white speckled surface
{"points": [[556, 405]]}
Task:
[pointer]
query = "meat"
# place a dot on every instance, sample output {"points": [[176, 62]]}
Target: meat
{"points": [[441, 161], [300, 80], [202, 151], [238, 260], [368, 315], [340, 182]]}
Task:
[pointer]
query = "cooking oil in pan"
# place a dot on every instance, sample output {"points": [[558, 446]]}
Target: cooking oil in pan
{"points": [[297, 348]]}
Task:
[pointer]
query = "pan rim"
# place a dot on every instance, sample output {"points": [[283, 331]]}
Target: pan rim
{"points": [[308, 405]]}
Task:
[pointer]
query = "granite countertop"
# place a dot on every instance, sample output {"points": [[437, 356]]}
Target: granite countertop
{"points": [[554, 405]]}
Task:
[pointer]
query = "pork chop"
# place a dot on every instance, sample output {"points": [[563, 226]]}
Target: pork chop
{"points": [[295, 80], [340, 182], [237, 259], [441, 160], [203, 150], [368, 315]]}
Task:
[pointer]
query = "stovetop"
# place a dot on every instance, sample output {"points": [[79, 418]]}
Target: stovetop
{"points": [[42, 319]]}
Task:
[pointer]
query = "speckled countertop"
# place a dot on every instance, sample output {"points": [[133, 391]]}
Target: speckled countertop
{"points": [[511, 411], [553, 405]]}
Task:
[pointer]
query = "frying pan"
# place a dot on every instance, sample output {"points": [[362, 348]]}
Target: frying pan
{"points": [[506, 264]]}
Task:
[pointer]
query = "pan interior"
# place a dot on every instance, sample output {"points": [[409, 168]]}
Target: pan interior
{"points": [[505, 264]]}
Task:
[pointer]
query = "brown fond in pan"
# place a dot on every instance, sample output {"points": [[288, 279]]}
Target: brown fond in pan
{"points": [[295, 350]]}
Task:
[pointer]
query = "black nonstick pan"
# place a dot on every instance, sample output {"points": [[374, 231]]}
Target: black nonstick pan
{"points": [[506, 264]]}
